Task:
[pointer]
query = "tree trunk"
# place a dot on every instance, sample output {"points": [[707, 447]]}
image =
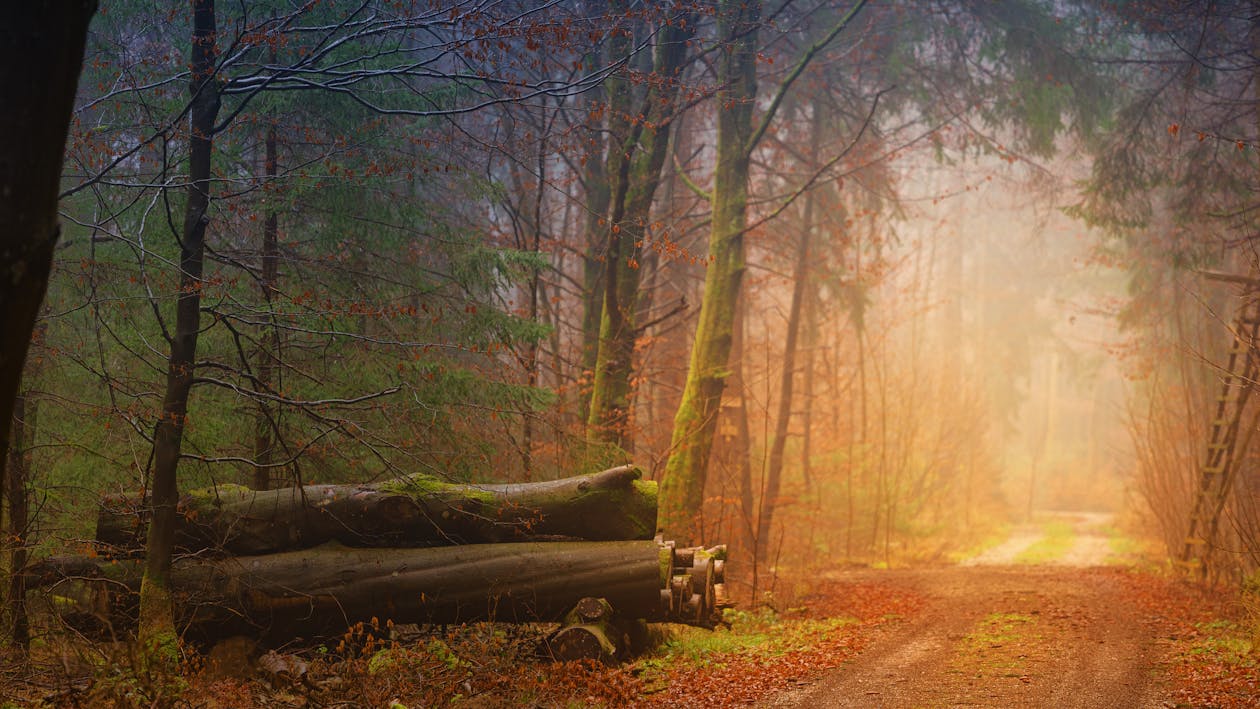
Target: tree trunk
{"points": [[800, 281], [807, 384], [696, 421], [535, 223], [269, 349], [635, 160], [741, 444], [774, 468], [41, 53], [598, 195], [16, 481], [417, 511], [156, 611], [322, 591], [682, 490]]}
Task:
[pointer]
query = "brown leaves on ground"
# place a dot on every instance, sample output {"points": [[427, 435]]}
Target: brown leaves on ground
{"points": [[739, 678], [1208, 659], [1211, 661]]}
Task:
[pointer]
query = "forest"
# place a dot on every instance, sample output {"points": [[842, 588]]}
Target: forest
{"points": [[561, 353]]}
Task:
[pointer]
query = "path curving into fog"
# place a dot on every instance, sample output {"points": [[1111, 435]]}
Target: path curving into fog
{"points": [[1089, 542], [1036, 621]]}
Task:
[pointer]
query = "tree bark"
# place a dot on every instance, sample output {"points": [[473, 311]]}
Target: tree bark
{"points": [[637, 154], [41, 53], [269, 340], [322, 591], [17, 502], [682, 489], [156, 611], [419, 511], [598, 195], [535, 223]]}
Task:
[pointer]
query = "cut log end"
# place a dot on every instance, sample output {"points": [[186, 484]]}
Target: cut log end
{"points": [[583, 642], [591, 631], [590, 610]]}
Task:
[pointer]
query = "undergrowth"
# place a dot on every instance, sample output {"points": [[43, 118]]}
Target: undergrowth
{"points": [[1218, 665]]}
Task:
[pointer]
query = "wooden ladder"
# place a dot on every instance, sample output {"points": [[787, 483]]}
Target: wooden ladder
{"points": [[1217, 475]]}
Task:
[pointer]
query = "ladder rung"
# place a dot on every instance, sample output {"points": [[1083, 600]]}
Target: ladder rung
{"points": [[1195, 541], [1213, 471]]}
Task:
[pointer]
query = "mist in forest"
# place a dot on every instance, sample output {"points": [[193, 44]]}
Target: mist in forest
{"points": [[1022, 308], [971, 372], [810, 287]]}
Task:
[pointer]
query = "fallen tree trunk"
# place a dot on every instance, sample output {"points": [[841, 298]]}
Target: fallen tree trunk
{"points": [[324, 590], [412, 512]]}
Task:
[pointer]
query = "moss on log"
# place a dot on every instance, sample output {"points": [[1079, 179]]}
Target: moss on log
{"points": [[416, 511]]}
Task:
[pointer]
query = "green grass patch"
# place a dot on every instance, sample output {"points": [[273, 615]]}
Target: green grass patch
{"points": [[994, 536], [1225, 642], [761, 633], [1217, 665], [1124, 550], [998, 646], [1000, 628], [1059, 538]]}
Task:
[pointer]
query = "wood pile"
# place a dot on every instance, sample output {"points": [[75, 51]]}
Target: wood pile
{"points": [[316, 560]]}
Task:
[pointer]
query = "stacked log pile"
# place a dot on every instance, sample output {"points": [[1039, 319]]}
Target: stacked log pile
{"points": [[317, 559]]}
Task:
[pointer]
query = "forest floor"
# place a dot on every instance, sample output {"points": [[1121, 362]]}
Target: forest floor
{"points": [[1060, 614], [1052, 617]]}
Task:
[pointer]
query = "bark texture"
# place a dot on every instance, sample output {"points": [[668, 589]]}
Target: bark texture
{"points": [[324, 590], [419, 511], [682, 490], [266, 418], [41, 53], [635, 160]]}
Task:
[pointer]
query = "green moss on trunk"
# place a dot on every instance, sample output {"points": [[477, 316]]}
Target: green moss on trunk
{"points": [[615, 504], [682, 491]]}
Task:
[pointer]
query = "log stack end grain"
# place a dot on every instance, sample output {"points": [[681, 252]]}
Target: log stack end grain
{"points": [[696, 591]]}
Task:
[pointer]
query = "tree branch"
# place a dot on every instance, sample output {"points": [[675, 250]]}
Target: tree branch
{"points": [[796, 73]]}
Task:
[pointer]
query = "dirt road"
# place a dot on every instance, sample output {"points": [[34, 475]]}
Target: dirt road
{"points": [[993, 633]]}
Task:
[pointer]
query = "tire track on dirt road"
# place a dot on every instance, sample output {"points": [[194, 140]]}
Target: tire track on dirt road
{"points": [[1062, 634]]}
